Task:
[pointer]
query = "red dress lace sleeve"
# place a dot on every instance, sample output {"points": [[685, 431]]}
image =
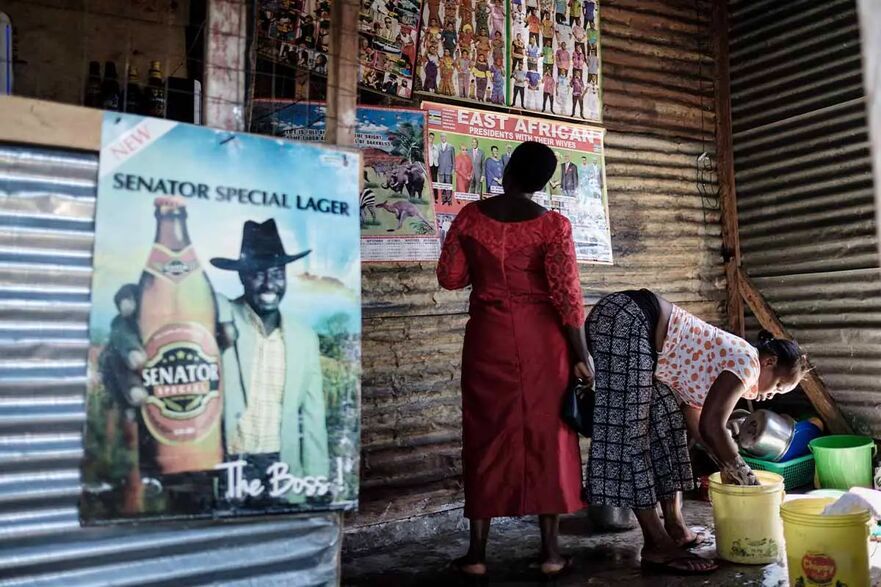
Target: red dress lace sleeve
{"points": [[561, 269], [452, 269]]}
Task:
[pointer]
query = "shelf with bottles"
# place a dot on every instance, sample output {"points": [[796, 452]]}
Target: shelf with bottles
{"points": [[174, 98]]}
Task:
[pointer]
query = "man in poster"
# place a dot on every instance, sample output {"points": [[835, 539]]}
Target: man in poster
{"points": [[477, 162], [445, 162], [569, 177], [433, 155], [270, 363], [507, 156]]}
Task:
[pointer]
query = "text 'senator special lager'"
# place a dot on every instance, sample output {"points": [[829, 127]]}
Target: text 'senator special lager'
{"points": [[177, 316]]}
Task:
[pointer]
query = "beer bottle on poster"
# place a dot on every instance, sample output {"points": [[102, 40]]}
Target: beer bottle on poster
{"points": [[177, 317], [156, 91]]}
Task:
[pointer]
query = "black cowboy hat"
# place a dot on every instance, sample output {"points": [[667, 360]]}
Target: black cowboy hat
{"points": [[261, 249]]}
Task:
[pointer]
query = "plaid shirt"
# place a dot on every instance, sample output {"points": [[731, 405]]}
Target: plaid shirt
{"points": [[259, 429]]}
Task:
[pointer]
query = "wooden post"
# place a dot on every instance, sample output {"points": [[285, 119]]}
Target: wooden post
{"points": [[342, 74], [725, 167], [812, 385]]}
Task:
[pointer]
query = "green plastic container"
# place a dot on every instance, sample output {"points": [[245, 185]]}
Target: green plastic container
{"points": [[796, 473], [843, 461]]}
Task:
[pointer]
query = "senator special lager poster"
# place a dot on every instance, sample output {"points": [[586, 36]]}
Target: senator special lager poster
{"points": [[224, 332]]}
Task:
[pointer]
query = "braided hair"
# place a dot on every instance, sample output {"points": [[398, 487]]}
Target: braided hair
{"points": [[790, 357]]}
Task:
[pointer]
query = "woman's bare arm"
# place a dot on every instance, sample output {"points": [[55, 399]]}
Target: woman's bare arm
{"points": [[720, 402]]}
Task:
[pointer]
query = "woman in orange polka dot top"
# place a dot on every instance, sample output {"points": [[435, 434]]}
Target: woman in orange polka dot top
{"points": [[660, 372]]}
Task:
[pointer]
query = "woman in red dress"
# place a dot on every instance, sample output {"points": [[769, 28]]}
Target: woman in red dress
{"points": [[522, 341], [464, 171]]}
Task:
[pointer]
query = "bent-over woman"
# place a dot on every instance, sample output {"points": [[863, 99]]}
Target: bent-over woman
{"points": [[523, 339], [659, 372]]}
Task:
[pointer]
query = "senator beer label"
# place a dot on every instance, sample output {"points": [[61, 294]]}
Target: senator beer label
{"points": [[175, 266], [183, 380]]}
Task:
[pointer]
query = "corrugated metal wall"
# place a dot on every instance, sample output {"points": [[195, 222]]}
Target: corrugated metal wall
{"points": [[659, 113], [47, 202], [805, 187]]}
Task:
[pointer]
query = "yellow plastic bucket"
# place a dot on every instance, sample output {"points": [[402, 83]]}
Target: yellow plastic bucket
{"points": [[825, 550], [747, 519]]}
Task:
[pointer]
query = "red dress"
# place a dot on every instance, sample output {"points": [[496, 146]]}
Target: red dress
{"points": [[519, 458]]}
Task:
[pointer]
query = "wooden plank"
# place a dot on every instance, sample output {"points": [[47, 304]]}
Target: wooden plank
{"points": [[49, 124], [342, 78], [725, 166], [812, 385]]}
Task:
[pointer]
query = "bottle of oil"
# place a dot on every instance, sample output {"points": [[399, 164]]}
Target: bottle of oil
{"points": [[156, 98], [177, 318]]}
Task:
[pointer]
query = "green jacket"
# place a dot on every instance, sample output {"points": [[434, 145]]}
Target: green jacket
{"points": [[303, 392]]}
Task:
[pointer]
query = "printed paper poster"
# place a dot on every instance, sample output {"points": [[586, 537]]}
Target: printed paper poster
{"points": [[387, 45], [472, 149], [463, 50], [555, 58], [396, 208], [225, 326], [294, 32]]}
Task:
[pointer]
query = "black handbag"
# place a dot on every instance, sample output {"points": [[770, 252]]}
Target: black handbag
{"points": [[578, 408]]}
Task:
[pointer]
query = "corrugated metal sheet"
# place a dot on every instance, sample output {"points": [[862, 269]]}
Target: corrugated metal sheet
{"points": [[658, 92], [870, 24], [47, 202], [805, 187]]}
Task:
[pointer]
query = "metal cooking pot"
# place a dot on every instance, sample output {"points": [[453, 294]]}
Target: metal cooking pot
{"points": [[766, 435], [735, 422], [606, 518]]}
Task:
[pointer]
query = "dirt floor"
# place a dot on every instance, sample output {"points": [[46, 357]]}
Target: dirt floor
{"points": [[600, 559]]}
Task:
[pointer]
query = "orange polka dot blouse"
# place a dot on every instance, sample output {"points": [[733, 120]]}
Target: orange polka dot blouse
{"points": [[696, 353]]}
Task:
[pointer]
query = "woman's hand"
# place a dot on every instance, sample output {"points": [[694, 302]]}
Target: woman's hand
{"points": [[584, 371], [737, 472], [581, 354]]}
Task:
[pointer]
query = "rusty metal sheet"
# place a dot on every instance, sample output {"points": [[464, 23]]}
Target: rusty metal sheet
{"points": [[805, 188]]}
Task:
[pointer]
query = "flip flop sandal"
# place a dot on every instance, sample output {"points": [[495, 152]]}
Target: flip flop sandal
{"points": [[568, 564], [666, 567], [700, 539]]}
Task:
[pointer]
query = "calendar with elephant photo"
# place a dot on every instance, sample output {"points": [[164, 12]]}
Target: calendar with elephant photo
{"points": [[396, 208], [469, 150]]}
